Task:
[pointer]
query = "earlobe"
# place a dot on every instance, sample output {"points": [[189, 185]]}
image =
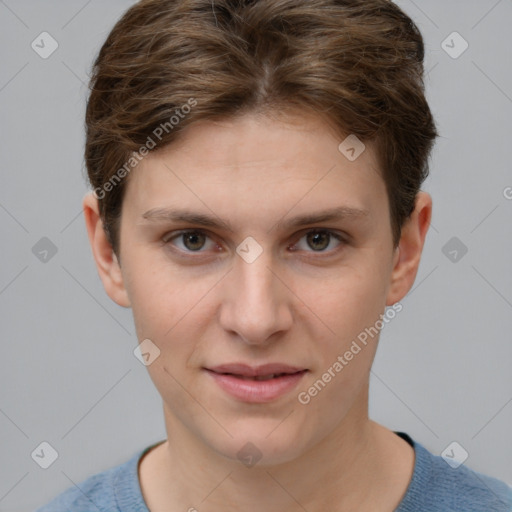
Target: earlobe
{"points": [[408, 254], [107, 263]]}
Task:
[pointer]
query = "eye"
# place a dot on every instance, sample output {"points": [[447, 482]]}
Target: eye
{"points": [[191, 240], [318, 240], [194, 240]]}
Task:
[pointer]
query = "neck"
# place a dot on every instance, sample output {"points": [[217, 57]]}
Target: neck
{"points": [[349, 466]]}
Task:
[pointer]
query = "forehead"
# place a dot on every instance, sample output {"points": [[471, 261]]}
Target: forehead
{"points": [[258, 161], [257, 140]]}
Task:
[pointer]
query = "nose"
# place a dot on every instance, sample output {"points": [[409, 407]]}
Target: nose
{"points": [[257, 305]]}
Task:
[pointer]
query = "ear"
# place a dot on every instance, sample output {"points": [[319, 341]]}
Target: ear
{"points": [[408, 253], [107, 264]]}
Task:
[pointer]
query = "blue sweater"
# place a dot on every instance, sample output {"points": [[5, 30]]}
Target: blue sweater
{"points": [[434, 487]]}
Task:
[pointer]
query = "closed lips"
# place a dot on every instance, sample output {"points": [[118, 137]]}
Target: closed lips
{"points": [[256, 384], [261, 377]]}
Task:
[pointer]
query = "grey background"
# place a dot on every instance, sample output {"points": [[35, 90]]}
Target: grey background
{"points": [[68, 375]]}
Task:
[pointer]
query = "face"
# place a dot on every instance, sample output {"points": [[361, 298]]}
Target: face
{"points": [[254, 242]]}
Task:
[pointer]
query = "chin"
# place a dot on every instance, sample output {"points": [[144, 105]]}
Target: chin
{"points": [[261, 444]]}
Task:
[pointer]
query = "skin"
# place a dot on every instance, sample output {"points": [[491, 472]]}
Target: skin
{"points": [[300, 302]]}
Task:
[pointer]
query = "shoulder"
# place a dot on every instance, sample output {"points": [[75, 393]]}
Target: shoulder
{"points": [[465, 489], [437, 486], [95, 491], [101, 490]]}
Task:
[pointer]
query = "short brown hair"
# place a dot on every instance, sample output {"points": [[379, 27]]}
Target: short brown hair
{"points": [[358, 62]]}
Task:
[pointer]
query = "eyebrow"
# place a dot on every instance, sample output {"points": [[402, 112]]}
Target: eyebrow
{"points": [[212, 221]]}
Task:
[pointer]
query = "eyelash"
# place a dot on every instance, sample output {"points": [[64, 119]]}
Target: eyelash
{"points": [[167, 239]]}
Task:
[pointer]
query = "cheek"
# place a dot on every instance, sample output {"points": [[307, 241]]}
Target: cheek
{"points": [[171, 308], [165, 310], [350, 305], [348, 302], [160, 295]]}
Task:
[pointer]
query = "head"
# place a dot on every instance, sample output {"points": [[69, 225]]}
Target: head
{"points": [[255, 114]]}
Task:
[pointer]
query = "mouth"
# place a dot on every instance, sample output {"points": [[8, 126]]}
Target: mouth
{"points": [[261, 377], [256, 384]]}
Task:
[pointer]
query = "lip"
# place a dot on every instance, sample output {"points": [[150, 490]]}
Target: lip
{"points": [[245, 370], [230, 378]]}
